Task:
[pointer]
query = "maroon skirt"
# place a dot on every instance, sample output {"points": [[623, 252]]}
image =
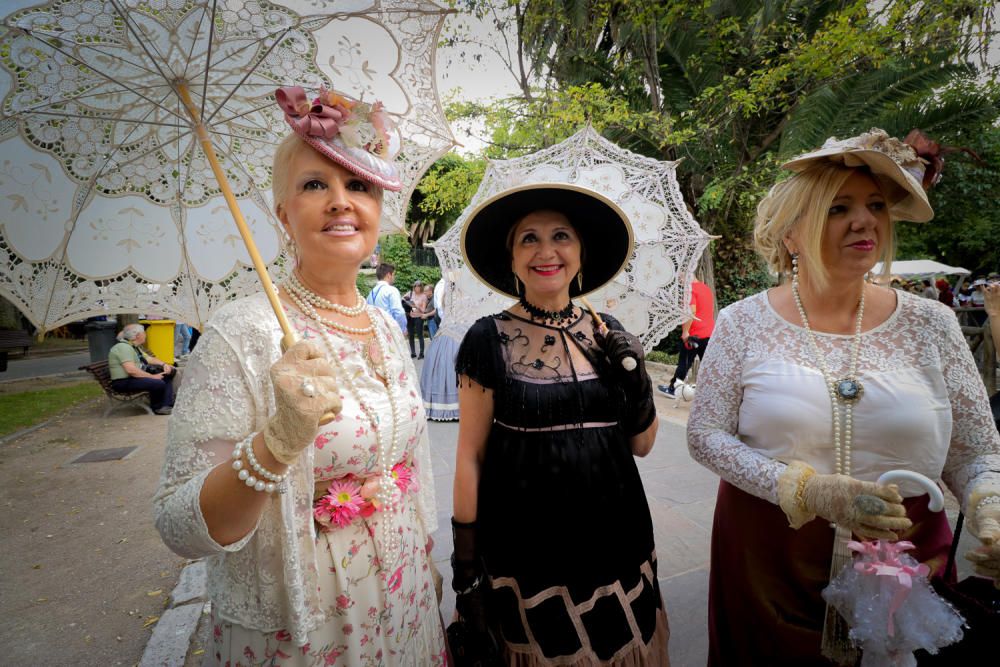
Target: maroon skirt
{"points": [[765, 582]]}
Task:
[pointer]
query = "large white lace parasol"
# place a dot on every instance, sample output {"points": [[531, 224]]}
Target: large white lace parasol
{"points": [[113, 111], [652, 295]]}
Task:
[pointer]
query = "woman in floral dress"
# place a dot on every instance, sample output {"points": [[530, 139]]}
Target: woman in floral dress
{"points": [[316, 531]]}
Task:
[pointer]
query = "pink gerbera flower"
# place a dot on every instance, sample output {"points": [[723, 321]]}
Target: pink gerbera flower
{"points": [[403, 476], [340, 505]]}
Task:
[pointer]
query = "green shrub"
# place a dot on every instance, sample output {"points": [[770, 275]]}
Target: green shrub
{"points": [[396, 251]]}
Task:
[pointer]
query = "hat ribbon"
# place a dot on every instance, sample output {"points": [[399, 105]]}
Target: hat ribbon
{"points": [[313, 120]]}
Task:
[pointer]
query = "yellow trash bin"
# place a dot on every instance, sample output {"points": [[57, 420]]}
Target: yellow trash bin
{"points": [[160, 339]]}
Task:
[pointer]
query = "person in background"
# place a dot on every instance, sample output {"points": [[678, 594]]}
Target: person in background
{"points": [[182, 340], [928, 291], [431, 315], [133, 371], [385, 296], [978, 300], [945, 295], [964, 296], [415, 324], [694, 333]]}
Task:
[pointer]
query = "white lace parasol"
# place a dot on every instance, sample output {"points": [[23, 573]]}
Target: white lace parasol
{"points": [[652, 295], [107, 201]]}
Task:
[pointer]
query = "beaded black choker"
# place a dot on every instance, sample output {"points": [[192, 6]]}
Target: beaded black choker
{"points": [[555, 316]]}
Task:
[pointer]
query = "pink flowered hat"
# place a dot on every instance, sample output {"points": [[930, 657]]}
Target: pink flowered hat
{"points": [[358, 136]]}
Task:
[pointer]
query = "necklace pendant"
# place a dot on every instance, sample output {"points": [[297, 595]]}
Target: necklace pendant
{"points": [[849, 389]]}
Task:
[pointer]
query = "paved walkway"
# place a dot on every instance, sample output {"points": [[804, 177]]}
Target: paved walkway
{"points": [[19, 369], [87, 581]]}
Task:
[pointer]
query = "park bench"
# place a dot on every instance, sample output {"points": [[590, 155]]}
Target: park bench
{"points": [[13, 339], [116, 399]]}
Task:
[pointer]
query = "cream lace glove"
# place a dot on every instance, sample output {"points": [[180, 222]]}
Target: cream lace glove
{"points": [[868, 509], [986, 557], [304, 390]]}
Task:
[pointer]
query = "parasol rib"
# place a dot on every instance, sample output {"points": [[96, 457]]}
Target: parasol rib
{"points": [[258, 262]]}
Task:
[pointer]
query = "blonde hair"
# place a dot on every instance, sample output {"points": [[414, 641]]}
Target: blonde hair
{"points": [[281, 176], [803, 201]]}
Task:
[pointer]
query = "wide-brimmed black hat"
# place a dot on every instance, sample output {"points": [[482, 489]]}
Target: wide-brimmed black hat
{"points": [[604, 230]]}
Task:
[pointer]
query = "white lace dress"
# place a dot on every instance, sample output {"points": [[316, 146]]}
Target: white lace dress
{"points": [[761, 402], [287, 594]]}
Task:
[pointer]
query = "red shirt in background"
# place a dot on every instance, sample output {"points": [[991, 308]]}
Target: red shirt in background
{"points": [[704, 310]]}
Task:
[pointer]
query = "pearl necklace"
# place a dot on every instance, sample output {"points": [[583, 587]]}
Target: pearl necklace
{"points": [[304, 299], [843, 392], [315, 299], [387, 449]]}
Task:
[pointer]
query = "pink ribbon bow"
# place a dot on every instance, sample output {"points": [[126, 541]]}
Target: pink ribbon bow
{"points": [[885, 562], [313, 120]]}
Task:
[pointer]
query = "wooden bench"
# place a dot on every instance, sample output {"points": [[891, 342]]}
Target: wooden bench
{"points": [[13, 339], [116, 399]]}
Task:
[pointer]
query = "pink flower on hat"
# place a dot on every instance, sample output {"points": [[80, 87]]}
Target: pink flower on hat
{"points": [[316, 119]]}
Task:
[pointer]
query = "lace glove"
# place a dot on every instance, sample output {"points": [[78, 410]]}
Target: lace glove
{"points": [[986, 557], [870, 510], [304, 390], [477, 645], [627, 359]]}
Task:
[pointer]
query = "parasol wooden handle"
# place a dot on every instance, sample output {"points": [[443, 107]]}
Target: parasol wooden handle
{"points": [[628, 363], [289, 338]]}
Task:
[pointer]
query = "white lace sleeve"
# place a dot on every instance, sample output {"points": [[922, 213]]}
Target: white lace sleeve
{"points": [[214, 410], [421, 452], [974, 453], [714, 420]]}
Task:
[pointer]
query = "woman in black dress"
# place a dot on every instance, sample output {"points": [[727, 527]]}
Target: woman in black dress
{"points": [[554, 553]]}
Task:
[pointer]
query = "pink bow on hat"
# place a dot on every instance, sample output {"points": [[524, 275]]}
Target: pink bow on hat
{"points": [[315, 119]]}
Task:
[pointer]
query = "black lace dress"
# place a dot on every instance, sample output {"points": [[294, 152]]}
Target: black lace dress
{"points": [[563, 523]]}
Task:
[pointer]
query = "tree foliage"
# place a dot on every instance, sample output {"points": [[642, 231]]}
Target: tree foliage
{"points": [[736, 86], [396, 250]]}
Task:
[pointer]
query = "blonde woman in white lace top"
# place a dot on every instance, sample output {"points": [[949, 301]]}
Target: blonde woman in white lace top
{"points": [[810, 391], [316, 532]]}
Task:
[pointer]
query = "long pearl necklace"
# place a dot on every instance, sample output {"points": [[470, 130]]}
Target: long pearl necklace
{"points": [[304, 298], [307, 294], [844, 392], [387, 448]]}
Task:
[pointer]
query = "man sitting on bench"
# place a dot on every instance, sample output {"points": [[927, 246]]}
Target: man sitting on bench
{"points": [[132, 370]]}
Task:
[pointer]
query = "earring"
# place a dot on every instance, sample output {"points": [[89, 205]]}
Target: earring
{"points": [[795, 270], [517, 286], [579, 280]]}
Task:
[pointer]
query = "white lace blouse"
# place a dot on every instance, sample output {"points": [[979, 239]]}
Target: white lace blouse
{"points": [[267, 580], [761, 400]]}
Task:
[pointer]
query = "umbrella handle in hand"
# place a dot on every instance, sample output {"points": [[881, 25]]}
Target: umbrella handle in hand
{"points": [[628, 363], [287, 341], [936, 503]]}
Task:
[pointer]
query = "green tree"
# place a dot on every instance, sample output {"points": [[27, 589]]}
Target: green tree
{"points": [[396, 250], [736, 86], [441, 196], [966, 226]]}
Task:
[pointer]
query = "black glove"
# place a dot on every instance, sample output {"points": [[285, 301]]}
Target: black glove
{"points": [[627, 359], [472, 643]]}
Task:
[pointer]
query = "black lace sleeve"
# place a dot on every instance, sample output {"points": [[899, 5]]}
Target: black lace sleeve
{"points": [[478, 356]]}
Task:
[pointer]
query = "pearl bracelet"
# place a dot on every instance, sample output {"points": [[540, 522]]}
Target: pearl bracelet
{"points": [[274, 482]]}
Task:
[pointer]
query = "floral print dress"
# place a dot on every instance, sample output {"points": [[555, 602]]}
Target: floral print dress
{"points": [[376, 613]]}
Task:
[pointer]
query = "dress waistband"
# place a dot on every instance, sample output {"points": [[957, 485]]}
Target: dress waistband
{"points": [[559, 427]]}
